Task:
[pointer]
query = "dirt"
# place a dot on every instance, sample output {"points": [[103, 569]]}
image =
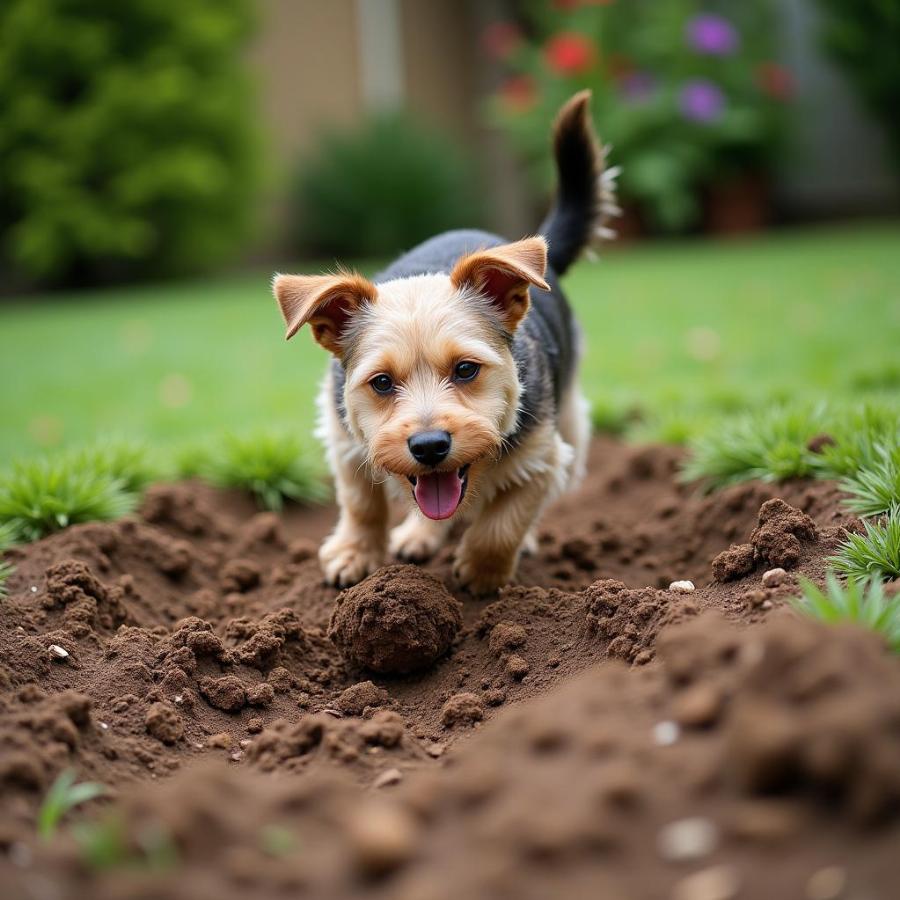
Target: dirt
{"points": [[398, 620], [588, 732]]}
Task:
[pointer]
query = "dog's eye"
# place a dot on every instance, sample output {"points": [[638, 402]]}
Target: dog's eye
{"points": [[465, 371], [382, 384]]}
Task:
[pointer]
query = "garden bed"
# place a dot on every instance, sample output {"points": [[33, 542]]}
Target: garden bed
{"points": [[590, 733]]}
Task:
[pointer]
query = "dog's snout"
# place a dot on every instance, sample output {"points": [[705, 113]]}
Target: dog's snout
{"points": [[430, 447]]}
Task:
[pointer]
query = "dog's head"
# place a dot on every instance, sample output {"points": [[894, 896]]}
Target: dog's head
{"points": [[431, 386]]}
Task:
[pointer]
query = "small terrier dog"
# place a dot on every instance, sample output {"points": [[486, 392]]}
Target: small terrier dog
{"points": [[454, 382]]}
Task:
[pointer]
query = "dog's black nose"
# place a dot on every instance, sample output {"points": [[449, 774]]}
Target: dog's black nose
{"points": [[430, 447]]}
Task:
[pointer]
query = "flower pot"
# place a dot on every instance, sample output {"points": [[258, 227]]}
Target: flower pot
{"points": [[739, 205]]}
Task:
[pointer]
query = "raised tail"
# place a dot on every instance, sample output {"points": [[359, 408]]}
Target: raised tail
{"points": [[586, 198]]}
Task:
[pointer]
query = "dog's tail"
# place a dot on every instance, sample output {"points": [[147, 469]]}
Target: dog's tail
{"points": [[586, 197]]}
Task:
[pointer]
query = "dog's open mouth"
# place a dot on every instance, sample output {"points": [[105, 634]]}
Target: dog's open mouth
{"points": [[438, 494]]}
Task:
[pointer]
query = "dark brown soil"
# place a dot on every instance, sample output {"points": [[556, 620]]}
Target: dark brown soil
{"points": [[588, 732]]}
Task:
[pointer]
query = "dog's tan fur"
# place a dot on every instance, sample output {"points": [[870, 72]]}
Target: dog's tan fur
{"points": [[416, 330]]}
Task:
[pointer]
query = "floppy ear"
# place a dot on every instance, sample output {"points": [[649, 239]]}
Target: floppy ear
{"points": [[503, 275], [326, 302]]}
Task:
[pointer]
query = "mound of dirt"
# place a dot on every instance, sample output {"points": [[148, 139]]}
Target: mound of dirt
{"points": [[588, 791], [197, 633], [396, 621]]}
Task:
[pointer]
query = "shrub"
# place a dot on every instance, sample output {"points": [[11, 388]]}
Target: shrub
{"points": [[126, 146], [863, 36], [685, 97], [861, 603], [381, 189]]}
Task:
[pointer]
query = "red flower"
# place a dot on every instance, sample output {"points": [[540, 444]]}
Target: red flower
{"points": [[569, 53], [518, 94], [501, 39], [775, 80]]}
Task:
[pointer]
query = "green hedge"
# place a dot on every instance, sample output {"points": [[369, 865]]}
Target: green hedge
{"points": [[127, 146], [381, 188]]}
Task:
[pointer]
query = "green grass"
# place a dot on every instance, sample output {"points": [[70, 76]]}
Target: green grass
{"points": [[679, 332], [862, 603], [64, 795], [770, 444], [873, 554], [774, 443], [105, 845], [44, 495], [274, 465], [874, 488]]}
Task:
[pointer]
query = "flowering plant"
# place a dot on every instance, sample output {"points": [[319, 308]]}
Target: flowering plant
{"points": [[686, 95]]}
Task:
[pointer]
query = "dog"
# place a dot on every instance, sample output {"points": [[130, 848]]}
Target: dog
{"points": [[453, 383]]}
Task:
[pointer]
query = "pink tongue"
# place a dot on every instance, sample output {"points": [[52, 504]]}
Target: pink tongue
{"points": [[438, 494]]}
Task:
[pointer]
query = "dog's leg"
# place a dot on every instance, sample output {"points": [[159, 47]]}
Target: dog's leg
{"points": [[417, 539], [490, 548], [356, 547], [575, 428]]}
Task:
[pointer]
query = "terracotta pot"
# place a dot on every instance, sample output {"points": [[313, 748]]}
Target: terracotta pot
{"points": [[739, 205]]}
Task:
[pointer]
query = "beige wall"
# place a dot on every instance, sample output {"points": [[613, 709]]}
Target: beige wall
{"points": [[307, 63]]}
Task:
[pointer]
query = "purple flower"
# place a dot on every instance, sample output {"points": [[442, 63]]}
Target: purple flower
{"points": [[701, 100], [712, 34], [638, 87]]}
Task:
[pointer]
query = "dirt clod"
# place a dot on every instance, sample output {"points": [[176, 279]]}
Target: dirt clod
{"points": [[462, 709], [164, 723], [396, 621]]}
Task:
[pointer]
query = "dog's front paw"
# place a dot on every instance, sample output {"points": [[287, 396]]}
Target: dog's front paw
{"points": [[347, 559], [482, 576], [417, 539]]}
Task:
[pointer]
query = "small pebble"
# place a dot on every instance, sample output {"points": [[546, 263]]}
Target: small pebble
{"points": [[715, 883], [382, 838], [827, 884], [666, 733], [58, 652], [682, 587], [435, 750], [387, 778], [774, 577], [688, 839]]}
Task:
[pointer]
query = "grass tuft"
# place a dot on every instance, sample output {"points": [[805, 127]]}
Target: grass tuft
{"points": [[273, 465], [42, 496], [131, 463], [769, 444], [64, 795], [875, 489], [873, 554], [104, 845], [860, 602]]}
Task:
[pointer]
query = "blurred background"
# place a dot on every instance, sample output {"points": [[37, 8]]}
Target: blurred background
{"points": [[158, 158]]}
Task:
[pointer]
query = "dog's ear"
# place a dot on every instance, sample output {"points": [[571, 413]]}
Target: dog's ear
{"points": [[326, 302], [503, 274]]}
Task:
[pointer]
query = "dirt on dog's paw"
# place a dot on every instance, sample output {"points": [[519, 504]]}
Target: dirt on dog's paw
{"points": [[417, 539], [346, 560]]}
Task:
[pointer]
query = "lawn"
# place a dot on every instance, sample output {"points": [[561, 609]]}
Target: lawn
{"points": [[673, 330]]}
